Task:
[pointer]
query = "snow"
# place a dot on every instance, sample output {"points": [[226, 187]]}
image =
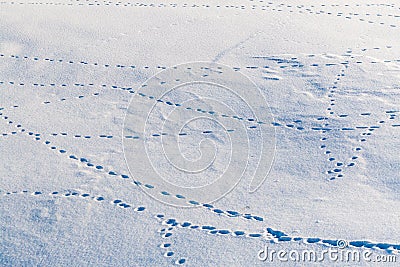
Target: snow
{"points": [[83, 149]]}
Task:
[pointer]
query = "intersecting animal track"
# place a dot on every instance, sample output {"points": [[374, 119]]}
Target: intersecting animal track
{"points": [[97, 167], [174, 224], [282, 237], [170, 225]]}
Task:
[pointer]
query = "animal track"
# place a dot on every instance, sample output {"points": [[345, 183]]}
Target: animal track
{"points": [[282, 237], [67, 86], [72, 193], [331, 113], [301, 9], [283, 64], [170, 225], [166, 232], [99, 168]]}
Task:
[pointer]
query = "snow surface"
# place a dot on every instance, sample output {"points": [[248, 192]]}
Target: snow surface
{"points": [[329, 73]]}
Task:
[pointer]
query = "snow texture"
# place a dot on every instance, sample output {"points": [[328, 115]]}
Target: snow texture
{"points": [[71, 72]]}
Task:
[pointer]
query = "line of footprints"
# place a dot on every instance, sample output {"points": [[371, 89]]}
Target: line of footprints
{"points": [[169, 227]]}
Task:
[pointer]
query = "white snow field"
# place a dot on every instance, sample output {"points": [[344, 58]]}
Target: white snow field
{"points": [[110, 156]]}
